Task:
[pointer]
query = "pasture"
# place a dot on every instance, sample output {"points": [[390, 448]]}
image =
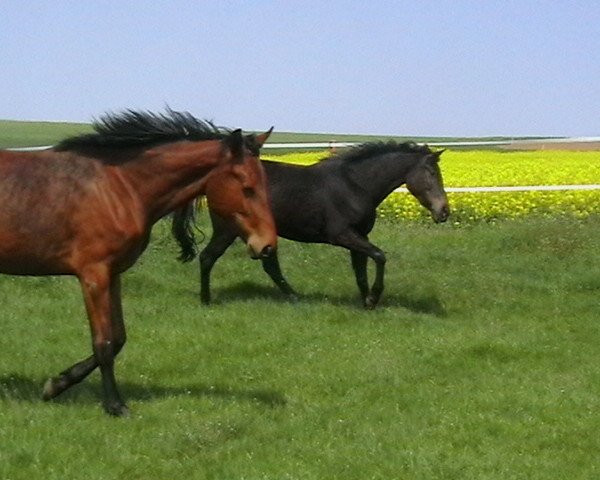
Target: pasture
{"points": [[481, 360]]}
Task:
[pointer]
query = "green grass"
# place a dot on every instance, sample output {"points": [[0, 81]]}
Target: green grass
{"points": [[482, 361]]}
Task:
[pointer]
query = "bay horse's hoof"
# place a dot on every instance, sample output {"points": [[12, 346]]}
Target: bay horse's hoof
{"points": [[52, 388]]}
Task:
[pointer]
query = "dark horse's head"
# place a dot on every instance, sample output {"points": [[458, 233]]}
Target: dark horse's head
{"points": [[425, 182]]}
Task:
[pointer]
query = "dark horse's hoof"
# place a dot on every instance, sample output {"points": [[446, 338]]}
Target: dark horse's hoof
{"points": [[370, 303], [205, 299], [116, 409], [292, 297]]}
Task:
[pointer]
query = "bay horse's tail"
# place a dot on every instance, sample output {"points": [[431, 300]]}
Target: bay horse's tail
{"points": [[183, 228]]}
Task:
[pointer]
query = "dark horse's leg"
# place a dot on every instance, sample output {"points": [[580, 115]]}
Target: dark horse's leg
{"points": [[271, 266], [360, 248], [102, 296], [359, 265], [220, 241]]}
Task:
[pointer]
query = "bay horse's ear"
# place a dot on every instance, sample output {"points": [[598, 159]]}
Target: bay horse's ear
{"points": [[235, 142], [262, 138]]}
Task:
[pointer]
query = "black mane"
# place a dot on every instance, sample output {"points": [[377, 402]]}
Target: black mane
{"points": [[133, 128], [368, 150]]}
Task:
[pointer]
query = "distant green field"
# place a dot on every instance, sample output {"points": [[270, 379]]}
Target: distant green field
{"points": [[31, 134]]}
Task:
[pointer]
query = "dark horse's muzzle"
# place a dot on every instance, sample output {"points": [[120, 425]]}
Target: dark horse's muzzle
{"points": [[441, 215]]}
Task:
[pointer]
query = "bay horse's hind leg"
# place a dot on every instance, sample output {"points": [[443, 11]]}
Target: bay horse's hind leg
{"points": [[103, 302], [69, 377], [271, 266]]}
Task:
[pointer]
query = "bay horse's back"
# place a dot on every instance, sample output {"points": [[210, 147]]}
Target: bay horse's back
{"points": [[39, 192], [54, 207]]}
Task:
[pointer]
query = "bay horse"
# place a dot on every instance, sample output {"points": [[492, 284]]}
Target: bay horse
{"points": [[334, 201], [86, 208]]}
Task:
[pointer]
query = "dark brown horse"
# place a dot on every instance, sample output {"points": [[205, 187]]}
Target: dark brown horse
{"points": [[334, 201], [86, 208]]}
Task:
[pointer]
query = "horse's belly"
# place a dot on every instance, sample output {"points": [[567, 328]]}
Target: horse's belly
{"points": [[31, 266], [28, 254]]}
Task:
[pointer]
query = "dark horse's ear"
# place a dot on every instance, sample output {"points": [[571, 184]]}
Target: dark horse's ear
{"points": [[262, 138], [235, 142], [435, 156]]}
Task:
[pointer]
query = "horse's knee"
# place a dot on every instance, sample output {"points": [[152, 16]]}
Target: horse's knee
{"points": [[106, 350], [204, 258], [119, 342], [379, 257]]}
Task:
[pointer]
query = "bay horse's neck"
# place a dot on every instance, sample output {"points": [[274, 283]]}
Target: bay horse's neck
{"points": [[168, 176], [380, 175]]}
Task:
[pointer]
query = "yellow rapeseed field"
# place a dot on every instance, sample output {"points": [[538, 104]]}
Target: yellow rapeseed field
{"points": [[497, 168]]}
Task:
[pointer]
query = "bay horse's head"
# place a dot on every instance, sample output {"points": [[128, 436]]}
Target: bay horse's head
{"points": [[238, 193], [425, 182]]}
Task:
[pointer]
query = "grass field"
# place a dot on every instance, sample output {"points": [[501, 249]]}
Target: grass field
{"points": [[482, 362]]}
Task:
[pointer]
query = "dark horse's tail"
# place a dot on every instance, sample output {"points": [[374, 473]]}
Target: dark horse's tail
{"points": [[183, 228]]}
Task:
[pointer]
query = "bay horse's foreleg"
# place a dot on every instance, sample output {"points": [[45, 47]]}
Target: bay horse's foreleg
{"points": [[102, 296], [271, 266], [361, 245], [101, 292], [220, 241]]}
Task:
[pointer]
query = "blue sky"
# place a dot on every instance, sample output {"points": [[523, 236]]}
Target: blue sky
{"points": [[456, 68]]}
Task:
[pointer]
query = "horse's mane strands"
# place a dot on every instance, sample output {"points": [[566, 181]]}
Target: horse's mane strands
{"points": [[370, 149], [135, 128]]}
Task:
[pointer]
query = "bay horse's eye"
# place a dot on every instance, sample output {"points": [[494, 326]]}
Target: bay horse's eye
{"points": [[249, 192]]}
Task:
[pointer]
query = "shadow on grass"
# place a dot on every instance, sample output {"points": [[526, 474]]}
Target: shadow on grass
{"points": [[248, 291], [19, 387], [428, 304]]}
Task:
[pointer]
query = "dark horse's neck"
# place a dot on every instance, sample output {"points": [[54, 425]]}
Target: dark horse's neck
{"points": [[378, 169]]}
